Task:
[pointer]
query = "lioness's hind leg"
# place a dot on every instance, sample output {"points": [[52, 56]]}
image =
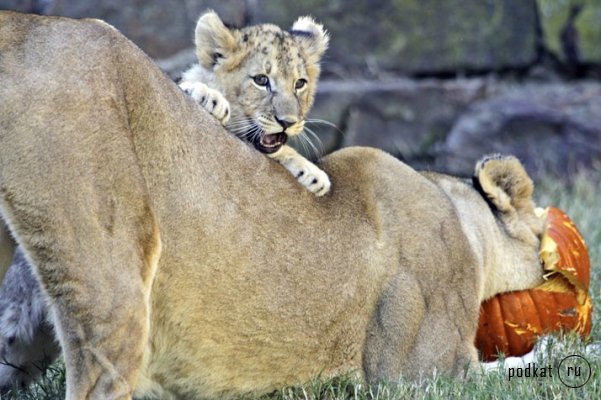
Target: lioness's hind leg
{"points": [[107, 339], [102, 313], [97, 278]]}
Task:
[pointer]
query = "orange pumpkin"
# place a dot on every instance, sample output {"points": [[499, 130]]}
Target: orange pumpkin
{"points": [[510, 322]]}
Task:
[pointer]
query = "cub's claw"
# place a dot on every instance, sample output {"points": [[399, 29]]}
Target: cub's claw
{"points": [[212, 100], [309, 175]]}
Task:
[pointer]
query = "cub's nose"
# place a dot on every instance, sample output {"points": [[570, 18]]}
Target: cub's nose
{"points": [[285, 122]]}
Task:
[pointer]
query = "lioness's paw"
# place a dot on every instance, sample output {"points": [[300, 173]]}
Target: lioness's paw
{"points": [[212, 100], [309, 175]]}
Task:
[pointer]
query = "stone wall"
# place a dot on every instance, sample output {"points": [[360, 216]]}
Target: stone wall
{"points": [[435, 82]]}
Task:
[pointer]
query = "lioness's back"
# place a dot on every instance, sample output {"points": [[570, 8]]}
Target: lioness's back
{"points": [[29, 43]]}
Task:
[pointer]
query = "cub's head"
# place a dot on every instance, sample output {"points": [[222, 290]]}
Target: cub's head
{"points": [[268, 75]]}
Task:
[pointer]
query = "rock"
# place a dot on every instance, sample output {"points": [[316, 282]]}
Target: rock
{"points": [[572, 29], [555, 129], [29, 6], [404, 117], [176, 64], [160, 29], [425, 37]]}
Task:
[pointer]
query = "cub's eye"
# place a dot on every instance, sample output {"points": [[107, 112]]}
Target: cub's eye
{"points": [[261, 80], [299, 84]]}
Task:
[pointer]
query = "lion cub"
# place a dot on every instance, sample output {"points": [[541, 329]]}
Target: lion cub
{"points": [[260, 82]]}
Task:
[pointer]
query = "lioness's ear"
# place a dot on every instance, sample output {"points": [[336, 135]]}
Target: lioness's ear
{"points": [[213, 40], [504, 182], [312, 36]]}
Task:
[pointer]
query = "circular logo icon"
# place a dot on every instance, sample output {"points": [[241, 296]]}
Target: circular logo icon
{"points": [[574, 371]]}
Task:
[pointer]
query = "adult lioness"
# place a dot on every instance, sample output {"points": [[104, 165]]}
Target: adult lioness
{"points": [[171, 272]]}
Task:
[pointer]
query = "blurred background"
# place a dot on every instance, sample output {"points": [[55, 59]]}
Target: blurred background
{"points": [[437, 83]]}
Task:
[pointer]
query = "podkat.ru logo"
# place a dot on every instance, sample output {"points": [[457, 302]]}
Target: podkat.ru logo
{"points": [[574, 371]]}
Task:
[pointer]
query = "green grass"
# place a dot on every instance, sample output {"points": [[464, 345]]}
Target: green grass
{"points": [[50, 386], [581, 203], [491, 385]]}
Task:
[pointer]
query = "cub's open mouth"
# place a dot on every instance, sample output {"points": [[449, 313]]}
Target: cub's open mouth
{"points": [[270, 143]]}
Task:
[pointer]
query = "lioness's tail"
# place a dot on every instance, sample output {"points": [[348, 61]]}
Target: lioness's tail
{"points": [[7, 248]]}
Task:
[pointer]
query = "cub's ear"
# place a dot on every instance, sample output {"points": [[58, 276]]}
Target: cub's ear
{"points": [[504, 183], [213, 40], [312, 36]]}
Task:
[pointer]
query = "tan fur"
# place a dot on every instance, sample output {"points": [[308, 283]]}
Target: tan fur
{"points": [[224, 83], [259, 283], [7, 248]]}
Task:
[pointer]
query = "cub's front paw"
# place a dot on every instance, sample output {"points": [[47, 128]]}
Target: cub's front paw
{"points": [[307, 173], [212, 100]]}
